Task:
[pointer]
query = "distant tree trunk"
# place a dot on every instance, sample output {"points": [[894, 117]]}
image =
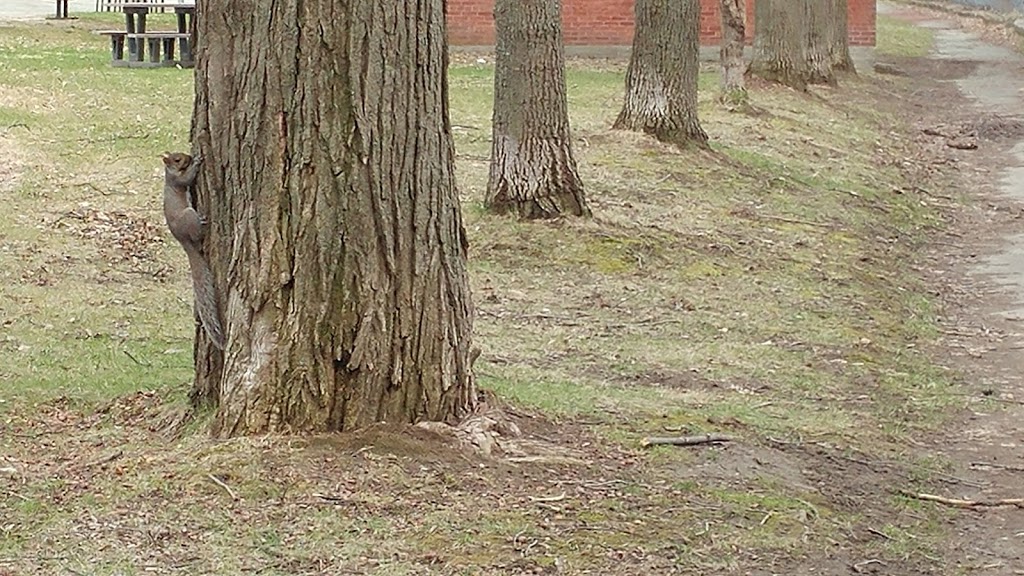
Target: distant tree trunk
{"points": [[779, 42], [661, 81], [839, 40], [819, 22], [533, 170], [734, 32], [335, 232]]}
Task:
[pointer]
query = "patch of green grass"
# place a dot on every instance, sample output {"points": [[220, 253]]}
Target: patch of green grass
{"points": [[898, 38]]}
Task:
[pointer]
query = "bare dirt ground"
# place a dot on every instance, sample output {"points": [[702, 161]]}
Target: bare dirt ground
{"points": [[972, 85]]}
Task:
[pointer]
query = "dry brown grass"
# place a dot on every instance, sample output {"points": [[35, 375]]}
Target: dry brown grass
{"points": [[766, 289]]}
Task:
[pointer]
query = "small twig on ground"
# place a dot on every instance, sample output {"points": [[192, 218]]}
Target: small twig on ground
{"points": [[554, 459], [997, 466], [879, 533], [88, 184], [796, 221], [330, 498], [602, 484], [558, 498], [102, 460], [989, 397], [958, 503], [21, 497], [136, 360], [221, 483], [112, 138], [697, 439], [890, 464], [859, 565]]}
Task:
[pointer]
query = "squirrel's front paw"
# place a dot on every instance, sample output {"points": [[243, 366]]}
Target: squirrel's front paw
{"points": [[198, 159]]}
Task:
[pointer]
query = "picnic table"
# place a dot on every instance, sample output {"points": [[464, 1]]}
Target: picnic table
{"points": [[161, 44]]}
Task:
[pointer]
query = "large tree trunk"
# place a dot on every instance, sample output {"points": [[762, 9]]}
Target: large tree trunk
{"points": [[779, 42], [734, 32], [335, 232], [818, 23], [533, 170], [839, 39], [661, 81]]}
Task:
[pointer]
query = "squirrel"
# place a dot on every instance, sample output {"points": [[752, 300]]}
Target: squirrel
{"points": [[189, 228]]}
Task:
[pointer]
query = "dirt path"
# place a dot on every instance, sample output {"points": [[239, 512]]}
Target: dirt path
{"points": [[985, 320]]}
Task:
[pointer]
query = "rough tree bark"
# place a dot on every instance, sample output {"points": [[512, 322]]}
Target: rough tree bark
{"points": [[335, 230], [730, 55], [839, 39], [533, 170], [779, 42], [819, 19], [661, 80]]}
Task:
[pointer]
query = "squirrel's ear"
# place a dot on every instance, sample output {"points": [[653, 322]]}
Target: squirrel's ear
{"points": [[166, 157]]}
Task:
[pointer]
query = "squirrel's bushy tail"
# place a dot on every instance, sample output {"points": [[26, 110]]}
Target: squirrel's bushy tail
{"points": [[206, 299]]}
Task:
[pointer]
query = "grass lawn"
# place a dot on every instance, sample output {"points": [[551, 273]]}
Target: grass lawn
{"points": [[765, 289]]}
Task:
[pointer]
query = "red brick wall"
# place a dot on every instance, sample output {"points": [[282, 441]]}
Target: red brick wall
{"points": [[862, 22], [610, 22]]}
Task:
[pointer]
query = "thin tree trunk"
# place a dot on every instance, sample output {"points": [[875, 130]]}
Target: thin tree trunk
{"points": [[661, 81], [819, 21], [779, 42], [839, 39], [335, 232], [533, 170], [734, 32]]}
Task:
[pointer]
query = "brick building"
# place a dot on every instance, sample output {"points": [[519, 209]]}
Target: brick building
{"points": [[610, 22]]}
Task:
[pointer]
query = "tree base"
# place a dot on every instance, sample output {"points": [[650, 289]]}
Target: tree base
{"points": [[547, 208], [822, 76], [535, 179], [845, 67], [779, 75], [735, 98], [682, 134]]}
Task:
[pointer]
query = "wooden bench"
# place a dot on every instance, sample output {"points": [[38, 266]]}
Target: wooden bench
{"points": [[116, 44], [160, 47]]}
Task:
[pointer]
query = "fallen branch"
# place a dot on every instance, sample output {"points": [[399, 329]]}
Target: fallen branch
{"points": [[879, 533], [134, 359], [997, 466], [858, 567], [957, 503], [107, 459], [558, 498], [711, 438], [221, 483]]}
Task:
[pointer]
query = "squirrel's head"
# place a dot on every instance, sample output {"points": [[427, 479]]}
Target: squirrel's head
{"points": [[176, 160]]}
